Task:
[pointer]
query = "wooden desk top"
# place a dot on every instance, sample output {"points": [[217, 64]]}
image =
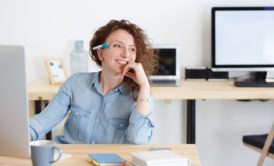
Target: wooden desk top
{"points": [[189, 89], [79, 153]]}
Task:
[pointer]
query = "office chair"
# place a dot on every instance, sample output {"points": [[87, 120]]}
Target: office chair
{"points": [[263, 144]]}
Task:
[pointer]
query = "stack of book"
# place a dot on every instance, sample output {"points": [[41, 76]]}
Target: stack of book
{"points": [[159, 158], [105, 159]]}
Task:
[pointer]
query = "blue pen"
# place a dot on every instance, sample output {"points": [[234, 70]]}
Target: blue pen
{"points": [[104, 45]]}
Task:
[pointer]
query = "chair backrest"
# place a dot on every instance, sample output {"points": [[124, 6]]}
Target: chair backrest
{"points": [[267, 145], [262, 143]]}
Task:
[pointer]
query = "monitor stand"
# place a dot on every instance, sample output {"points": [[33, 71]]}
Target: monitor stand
{"points": [[257, 79]]}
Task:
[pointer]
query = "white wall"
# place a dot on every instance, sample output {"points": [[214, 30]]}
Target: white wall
{"points": [[48, 28]]}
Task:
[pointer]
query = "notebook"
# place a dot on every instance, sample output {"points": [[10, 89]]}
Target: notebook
{"points": [[105, 159], [167, 73], [159, 158]]}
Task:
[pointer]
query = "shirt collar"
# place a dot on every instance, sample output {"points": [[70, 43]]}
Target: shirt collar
{"points": [[121, 89], [95, 82]]}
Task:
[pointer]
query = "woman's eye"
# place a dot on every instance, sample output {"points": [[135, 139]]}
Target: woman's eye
{"points": [[132, 49]]}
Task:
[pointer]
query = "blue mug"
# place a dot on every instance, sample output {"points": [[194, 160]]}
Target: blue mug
{"points": [[43, 153]]}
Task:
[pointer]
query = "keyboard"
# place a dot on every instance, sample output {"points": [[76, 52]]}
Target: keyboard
{"points": [[253, 84], [165, 82]]}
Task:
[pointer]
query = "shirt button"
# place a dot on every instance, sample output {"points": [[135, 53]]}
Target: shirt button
{"points": [[93, 142], [121, 125], [98, 120]]}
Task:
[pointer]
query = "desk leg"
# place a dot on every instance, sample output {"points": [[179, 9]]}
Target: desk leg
{"points": [[38, 108], [190, 122]]}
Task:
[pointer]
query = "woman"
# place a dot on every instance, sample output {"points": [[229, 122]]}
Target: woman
{"points": [[110, 106]]}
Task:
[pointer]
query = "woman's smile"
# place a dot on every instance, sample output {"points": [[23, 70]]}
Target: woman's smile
{"points": [[122, 61]]}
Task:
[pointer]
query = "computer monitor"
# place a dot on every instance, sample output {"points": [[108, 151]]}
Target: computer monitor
{"points": [[14, 138], [243, 39]]}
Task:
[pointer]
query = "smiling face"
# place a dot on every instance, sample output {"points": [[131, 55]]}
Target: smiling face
{"points": [[121, 51]]}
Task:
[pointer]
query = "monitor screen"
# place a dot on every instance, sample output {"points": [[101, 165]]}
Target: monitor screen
{"points": [[167, 62], [243, 37]]}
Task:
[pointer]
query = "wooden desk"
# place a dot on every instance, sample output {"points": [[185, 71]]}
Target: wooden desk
{"points": [[189, 90], [79, 153]]}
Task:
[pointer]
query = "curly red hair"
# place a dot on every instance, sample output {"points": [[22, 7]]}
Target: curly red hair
{"points": [[144, 53]]}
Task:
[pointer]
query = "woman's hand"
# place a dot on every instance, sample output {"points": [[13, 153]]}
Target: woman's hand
{"points": [[136, 72]]}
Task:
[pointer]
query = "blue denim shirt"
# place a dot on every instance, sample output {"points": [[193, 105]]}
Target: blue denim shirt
{"points": [[93, 117]]}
